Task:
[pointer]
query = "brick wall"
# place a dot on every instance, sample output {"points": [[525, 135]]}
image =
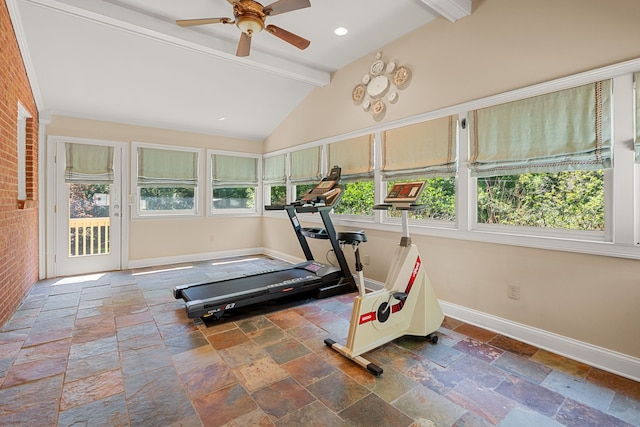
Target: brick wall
{"points": [[18, 219]]}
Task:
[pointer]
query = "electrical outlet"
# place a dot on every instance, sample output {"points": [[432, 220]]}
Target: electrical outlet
{"points": [[513, 291], [366, 260]]}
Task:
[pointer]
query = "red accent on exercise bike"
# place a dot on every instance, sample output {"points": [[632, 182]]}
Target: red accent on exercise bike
{"points": [[367, 317], [414, 273]]}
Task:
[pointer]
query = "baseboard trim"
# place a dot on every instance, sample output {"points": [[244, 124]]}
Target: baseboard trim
{"points": [[599, 357], [282, 256], [155, 262]]}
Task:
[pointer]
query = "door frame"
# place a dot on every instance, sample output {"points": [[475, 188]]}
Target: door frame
{"points": [[51, 199]]}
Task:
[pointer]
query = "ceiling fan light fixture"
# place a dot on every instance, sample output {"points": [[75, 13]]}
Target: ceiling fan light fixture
{"points": [[249, 24]]}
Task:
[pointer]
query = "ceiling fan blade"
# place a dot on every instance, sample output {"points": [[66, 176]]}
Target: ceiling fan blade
{"points": [[282, 6], [203, 21], [294, 39], [244, 45]]}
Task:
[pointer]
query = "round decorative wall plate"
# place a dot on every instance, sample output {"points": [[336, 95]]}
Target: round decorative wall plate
{"points": [[378, 86], [401, 76], [377, 67], [358, 93], [377, 108], [391, 66]]}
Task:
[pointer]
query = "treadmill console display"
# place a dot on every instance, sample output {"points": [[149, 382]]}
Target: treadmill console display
{"points": [[314, 267], [326, 190]]}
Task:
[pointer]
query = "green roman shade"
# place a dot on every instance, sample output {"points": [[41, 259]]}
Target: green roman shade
{"points": [[274, 170], [305, 165], [234, 171], [354, 156], [426, 149], [559, 131], [167, 168], [88, 163]]}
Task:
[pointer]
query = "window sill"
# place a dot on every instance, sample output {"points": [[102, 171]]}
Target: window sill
{"points": [[27, 204], [590, 243]]}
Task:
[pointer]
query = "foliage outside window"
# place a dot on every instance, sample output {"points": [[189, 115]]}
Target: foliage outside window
{"points": [[438, 196], [167, 180], [302, 189], [572, 200], [358, 199], [277, 194], [161, 199], [234, 182]]}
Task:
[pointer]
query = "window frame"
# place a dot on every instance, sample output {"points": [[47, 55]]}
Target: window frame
{"points": [[136, 212], [21, 150], [258, 202]]}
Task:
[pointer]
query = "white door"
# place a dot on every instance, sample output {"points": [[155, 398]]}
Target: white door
{"points": [[88, 214]]}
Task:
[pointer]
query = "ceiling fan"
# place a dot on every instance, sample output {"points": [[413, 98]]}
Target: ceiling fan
{"points": [[249, 18]]}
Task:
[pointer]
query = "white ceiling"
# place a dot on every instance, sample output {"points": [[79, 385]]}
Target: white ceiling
{"points": [[127, 61]]}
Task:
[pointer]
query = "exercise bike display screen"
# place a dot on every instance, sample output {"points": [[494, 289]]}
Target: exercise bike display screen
{"points": [[407, 192]]}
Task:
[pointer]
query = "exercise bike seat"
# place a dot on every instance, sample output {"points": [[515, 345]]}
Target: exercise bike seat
{"points": [[351, 237]]}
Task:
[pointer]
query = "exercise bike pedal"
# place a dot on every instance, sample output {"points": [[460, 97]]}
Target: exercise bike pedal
{"points": [[400, 296]]}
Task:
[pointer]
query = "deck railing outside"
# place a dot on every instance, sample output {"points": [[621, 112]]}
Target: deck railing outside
{"points": [[89, 236]]}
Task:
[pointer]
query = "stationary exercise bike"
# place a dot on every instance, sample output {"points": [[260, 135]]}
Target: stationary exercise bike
{"points": [[407, 305]]}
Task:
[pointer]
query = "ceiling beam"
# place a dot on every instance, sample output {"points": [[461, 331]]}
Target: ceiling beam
{"points": [[450, 9], [126, 20]]}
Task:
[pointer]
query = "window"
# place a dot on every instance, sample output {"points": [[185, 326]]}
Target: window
{"points": [[540, 161], [23, 115], [274, 180], [305, 171], [167, 180], [355, 158], [424, 151], [234, 183]]}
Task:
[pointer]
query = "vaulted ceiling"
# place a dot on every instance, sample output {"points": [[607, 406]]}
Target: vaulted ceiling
{"points": [[127, 61]]}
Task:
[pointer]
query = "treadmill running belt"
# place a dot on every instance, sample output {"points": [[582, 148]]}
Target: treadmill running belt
{"points": [[265, 282]]}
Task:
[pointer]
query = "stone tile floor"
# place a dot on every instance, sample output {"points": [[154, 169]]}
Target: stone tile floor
{"points": [[116, 349]]}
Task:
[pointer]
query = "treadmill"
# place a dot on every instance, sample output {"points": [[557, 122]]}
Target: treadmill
{"points": [[213, 299]]}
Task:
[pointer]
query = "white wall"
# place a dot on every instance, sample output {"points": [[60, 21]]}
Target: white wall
{"points": [[154, 241]]}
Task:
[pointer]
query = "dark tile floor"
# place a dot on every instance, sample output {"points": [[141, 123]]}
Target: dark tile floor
{"points": [[116, 349]]}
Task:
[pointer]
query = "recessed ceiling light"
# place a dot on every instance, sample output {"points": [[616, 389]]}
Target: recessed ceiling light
{"points": [[222, 118], [340, 31]]}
